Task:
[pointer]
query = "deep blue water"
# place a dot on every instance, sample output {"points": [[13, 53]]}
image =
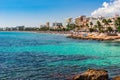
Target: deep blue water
{"points": [[35, 56]]}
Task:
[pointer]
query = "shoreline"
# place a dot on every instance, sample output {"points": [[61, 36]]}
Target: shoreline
{"points": [[65, 33], [91, 36], [46, 32], [95, 36], [79, 35]]}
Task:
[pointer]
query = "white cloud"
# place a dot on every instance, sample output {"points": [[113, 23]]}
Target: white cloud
{"points": [[108, 9], [105, 4]]}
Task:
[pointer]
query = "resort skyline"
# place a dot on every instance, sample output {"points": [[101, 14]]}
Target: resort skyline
{"points": [[34, 13]]}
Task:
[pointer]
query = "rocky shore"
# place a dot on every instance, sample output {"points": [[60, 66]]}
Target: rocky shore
{"points": [[95, 36], [94, 74]]}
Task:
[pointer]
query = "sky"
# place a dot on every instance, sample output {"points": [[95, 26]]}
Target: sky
{"points": [[108, 9], [33, 13]]}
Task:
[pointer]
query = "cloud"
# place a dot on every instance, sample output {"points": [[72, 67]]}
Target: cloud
{"points": [[108, 9], [105, 4]]}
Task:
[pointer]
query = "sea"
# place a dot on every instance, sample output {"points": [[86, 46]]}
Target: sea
{"points": [[40, 56]]}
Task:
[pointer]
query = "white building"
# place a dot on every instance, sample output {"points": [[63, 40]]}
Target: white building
{"points": [[57, 25]]}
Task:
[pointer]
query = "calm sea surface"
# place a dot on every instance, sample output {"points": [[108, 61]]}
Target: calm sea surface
{"points": [[35, 56]]}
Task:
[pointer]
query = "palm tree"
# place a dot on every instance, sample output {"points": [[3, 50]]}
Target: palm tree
{"points": [[109, 29], [109, 21], [91, 24], [87, 25], [117, 23], [105, 22], [99, 26], [95, 27]]}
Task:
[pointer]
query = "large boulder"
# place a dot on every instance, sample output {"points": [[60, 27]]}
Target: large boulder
{"points": [[92, 74], [116, 78]]}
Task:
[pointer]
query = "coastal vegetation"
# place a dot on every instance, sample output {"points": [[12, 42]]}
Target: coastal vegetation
{"points": [[117, 23], [71, 26]]}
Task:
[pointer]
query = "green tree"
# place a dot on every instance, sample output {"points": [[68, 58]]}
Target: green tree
{"points": [[105, 22], [71, 26], [109, 29], [100, 28], [117, 23], [87, 25], [119, 28], [98, 24], [44, 29], [109, 21], [95, 27], [91, 29], [91, 24]]}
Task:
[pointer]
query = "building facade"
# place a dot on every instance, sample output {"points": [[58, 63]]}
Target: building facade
{"points": [[48, 24], [57, 25], [82, 20]]}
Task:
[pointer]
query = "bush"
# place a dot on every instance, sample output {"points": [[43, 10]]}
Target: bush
{"points": [[91, 30], [118, 28], [44, 29], [109, 29]]}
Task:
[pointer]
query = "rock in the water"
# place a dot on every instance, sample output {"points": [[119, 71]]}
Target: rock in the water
{"points": [[116, 78], [92, 74]]}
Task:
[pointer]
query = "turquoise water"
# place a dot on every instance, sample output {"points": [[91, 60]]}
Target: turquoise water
{"points": [[35, 56]]}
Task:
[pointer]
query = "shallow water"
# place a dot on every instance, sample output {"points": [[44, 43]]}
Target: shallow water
{"points": [[35, 56]]}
